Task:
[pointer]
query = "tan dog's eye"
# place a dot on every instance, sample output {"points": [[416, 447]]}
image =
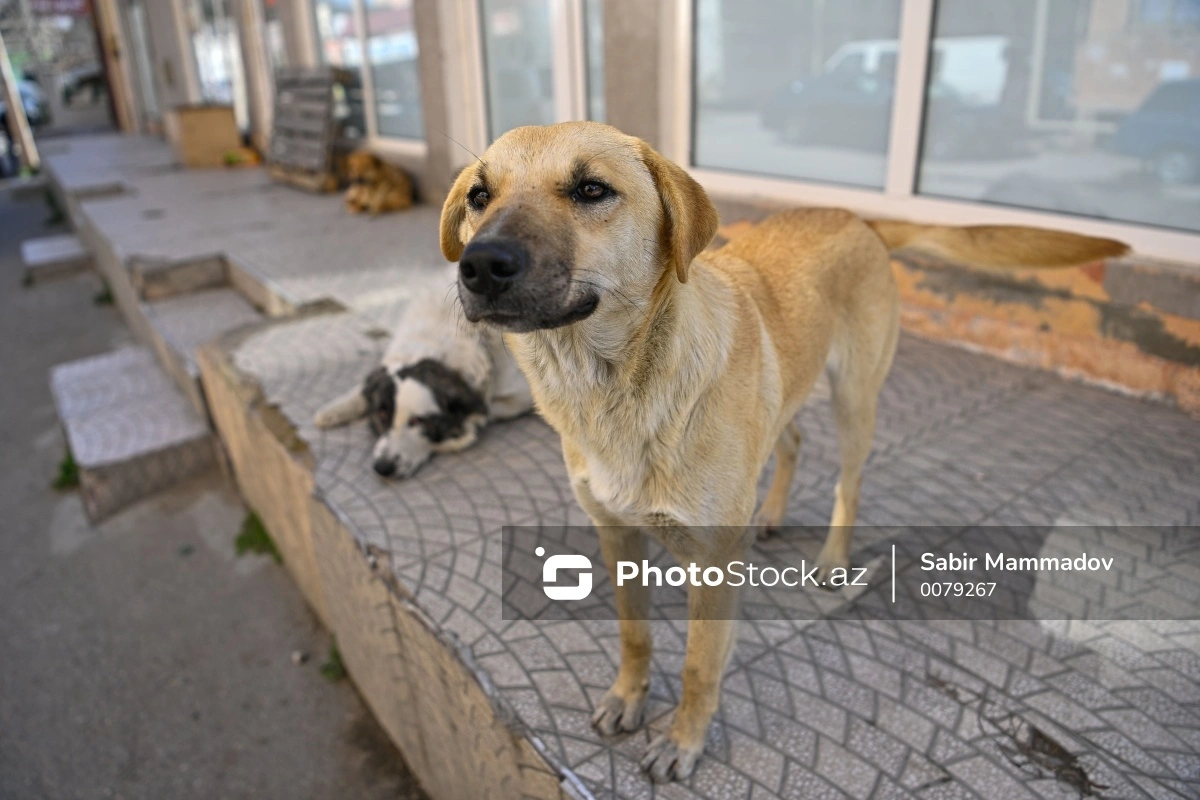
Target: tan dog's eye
{"points": [[479, 198], [591, 191]]}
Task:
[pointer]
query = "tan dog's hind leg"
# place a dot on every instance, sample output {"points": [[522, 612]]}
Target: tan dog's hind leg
{"points": [[623, 707], [774, 508], [856, 374]]}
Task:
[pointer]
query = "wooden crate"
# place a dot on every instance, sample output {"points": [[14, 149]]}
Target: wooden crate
{"points": [[202, 135], [318, 119]]}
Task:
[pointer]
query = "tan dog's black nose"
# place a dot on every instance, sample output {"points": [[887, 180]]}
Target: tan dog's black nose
{"points": [[490, 267]]}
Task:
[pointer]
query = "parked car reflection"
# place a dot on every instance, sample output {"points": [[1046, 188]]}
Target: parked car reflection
{"points": [[1164, 132]]}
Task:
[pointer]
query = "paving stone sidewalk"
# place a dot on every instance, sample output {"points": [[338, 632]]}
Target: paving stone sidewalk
{"points": [[838, 705]]}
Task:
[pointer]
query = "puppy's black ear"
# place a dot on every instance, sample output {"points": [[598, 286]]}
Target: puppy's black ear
{"points": [[459, 400], [379, 390], [689, 218], [454, 212]]}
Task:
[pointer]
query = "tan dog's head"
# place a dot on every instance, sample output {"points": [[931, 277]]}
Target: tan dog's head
{"points": [[556, 223]]}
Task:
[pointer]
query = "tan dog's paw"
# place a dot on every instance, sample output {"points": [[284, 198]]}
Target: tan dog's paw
{"points": [[618, 713], [667, 760], [826, 563], [766, 524]]}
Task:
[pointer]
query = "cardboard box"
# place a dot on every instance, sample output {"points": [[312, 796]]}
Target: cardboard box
{"points": [[202, 135]]}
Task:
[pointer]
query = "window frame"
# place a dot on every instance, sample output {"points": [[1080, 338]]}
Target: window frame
{"points": [[397, 146], [899, 198], [568, 61]]}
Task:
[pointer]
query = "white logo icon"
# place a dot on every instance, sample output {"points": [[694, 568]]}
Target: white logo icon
{"points": [[550, 575]]}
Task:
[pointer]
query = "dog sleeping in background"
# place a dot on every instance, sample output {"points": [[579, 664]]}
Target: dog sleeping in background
{"points": [[376, 186], [442, 379]]}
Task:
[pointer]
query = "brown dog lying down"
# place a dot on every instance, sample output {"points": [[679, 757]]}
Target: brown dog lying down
{"points": [[673, 374], [376, 186]]}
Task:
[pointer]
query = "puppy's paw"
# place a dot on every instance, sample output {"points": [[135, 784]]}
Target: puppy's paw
{"points": [[668, 760], [619, 712]]}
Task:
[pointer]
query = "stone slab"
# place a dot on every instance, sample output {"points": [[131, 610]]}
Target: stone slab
{"points": [[179, 324], [55, 256], [130, 430]]}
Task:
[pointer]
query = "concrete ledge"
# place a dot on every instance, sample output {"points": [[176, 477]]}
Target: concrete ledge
{"points": [[422, 687], [180, 324], [158, 279], [50, 257], [1065, 321]]}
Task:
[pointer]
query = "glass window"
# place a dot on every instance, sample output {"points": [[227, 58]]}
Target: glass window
{"points": [[139, 45], [1074, 106], [796, 88], [273, 33], [337, 32], [593, 36], [518, 62], [392, 48], [218, 53]]}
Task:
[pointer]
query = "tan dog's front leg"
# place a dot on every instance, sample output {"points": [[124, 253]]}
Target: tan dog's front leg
{"points": [[623, 707], [711, 610]]}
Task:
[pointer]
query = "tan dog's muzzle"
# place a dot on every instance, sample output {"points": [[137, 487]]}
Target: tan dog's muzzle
{"points": [[518, 276]]}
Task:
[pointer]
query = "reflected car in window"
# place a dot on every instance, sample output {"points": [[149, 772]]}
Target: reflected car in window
{"points": [[1164, 132]]}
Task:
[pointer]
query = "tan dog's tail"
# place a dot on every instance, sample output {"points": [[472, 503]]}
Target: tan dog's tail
{"points": [[998, 245]]}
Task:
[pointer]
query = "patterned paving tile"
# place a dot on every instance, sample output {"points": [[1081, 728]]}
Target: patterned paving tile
{"points": [[838, 707]]}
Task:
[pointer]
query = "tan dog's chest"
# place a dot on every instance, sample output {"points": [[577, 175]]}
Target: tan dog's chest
{"points": [[665, 447]]}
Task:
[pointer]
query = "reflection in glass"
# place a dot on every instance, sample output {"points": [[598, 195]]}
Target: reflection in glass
{"points": [[1086, 107], [519, 63], [338, 33], [273, 33], [593, 36], [392, 50], [143, 61], [796, 88], [218, 53]]}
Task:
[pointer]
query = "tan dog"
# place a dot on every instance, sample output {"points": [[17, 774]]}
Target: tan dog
{"points": [[376, 186], [672, 375]]}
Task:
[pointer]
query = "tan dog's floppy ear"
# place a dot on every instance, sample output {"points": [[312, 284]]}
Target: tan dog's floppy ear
{"points": [[689, 219], [454, 211]]}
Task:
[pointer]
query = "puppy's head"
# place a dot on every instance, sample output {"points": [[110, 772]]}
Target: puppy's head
{"points": [[556, 222], [419, 410]]}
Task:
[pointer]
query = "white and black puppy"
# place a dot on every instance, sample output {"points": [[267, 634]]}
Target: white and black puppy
{"points": [[442, 379]]}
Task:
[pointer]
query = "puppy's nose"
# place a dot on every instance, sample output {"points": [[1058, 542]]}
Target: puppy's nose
{"points": [[490, 267], [385, 467]]}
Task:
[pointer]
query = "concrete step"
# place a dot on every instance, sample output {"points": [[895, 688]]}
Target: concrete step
{"points": [[24, 189], [156, 279], [56, 256], [181, 323], [131, 431]]}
